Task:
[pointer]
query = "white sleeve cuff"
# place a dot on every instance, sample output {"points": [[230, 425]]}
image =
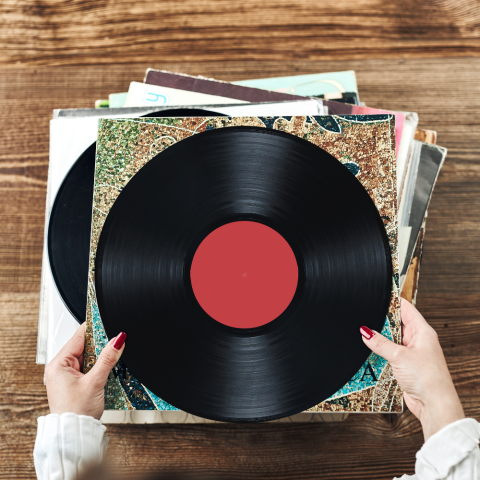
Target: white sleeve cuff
{"points": [[66, 444], [447, 449]]}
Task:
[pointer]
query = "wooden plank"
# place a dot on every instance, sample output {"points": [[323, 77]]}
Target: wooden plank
{"points": [[444, 92], [82, 32]]}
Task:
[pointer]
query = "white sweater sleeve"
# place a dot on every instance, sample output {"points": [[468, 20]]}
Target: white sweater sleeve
{"points": [[66, 444], [450, 454]]}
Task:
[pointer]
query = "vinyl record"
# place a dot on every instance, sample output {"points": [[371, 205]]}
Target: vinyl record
{"points": [[160, 242], [69, 227]]}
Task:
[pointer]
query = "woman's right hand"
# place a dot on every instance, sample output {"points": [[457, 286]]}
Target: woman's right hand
{"points": [[69, 389], [421, 370]]}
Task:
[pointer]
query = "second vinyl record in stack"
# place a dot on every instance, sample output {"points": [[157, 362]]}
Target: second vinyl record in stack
{"points": [[68, 237], [241, 263]]}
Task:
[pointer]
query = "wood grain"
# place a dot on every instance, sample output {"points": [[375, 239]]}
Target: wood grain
{"points": [[92, 32], [445, 93]]}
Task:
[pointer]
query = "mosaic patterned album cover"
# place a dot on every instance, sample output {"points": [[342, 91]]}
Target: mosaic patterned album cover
{"points": [[365, 144]]}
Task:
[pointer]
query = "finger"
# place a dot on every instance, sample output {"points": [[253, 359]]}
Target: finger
{"points": [[108, 359], [379, 344], [410, 315], [75, 345]]}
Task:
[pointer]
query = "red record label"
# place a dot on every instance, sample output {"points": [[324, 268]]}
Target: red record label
{"points": [[244, 274]]}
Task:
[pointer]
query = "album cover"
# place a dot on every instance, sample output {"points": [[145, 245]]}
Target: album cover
{"points": [[410, 285], [405, 122], [430, 162], [344, 97], [72, 131], [343, 84], [427, 136], [117, 100], [306, 106], [210, 86], [405, 206], [311, 85], [144, 94], [364, 144]]}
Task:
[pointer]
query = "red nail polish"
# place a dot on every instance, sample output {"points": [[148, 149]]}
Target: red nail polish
{"points": [[366, 332], [119, 340]]}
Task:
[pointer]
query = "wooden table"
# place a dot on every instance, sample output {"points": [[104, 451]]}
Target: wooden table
{"points": [[99, 47]]}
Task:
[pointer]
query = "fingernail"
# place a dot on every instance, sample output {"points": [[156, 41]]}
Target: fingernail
{"points": [[366, 332], [119, 341]]}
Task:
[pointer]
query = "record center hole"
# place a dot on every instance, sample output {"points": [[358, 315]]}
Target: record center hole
{"points": [[244, 274]]}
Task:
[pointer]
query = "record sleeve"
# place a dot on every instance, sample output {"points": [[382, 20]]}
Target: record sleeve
{"points": [[263, 94], [210, 86], [145, 94], [296, 107], [311, 85], [365, 145], [72, 131], [409, 290], [431, 159]]}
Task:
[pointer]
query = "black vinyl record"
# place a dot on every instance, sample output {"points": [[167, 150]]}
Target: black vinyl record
{"points": [[151, 234], [68, 240]]}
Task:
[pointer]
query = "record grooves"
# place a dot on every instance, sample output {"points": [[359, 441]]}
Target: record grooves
{"points": [[219, 177], [68, 238]]}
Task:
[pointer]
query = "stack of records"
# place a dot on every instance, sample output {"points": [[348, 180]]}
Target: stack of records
{"points": [[240, 234]]}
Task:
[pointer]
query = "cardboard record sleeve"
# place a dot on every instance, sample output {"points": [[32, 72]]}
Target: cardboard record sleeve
{"points": [[371, 163]]}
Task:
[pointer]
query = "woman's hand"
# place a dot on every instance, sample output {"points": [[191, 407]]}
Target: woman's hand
{"points": [[421, 370], [68, 389]]}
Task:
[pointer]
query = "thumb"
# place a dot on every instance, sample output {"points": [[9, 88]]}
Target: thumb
{"points": [[379, 344], [108, 359]]}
